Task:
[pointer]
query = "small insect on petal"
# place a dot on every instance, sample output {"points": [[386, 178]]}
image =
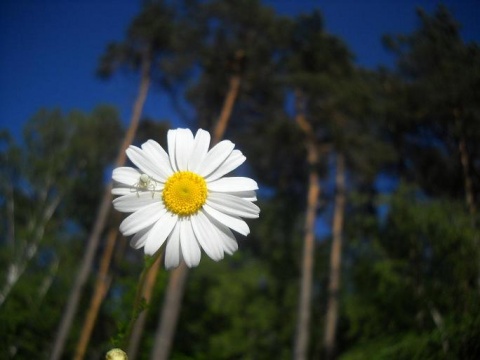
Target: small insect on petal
{"points": [[144, 180], [145, 183]]}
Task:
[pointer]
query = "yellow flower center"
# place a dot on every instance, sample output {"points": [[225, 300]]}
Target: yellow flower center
{"points": [[184, 193]]}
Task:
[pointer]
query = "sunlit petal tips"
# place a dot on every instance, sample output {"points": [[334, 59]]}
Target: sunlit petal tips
{"points": [[161, 158], [126, 175], [183, 148], [182, 199], [159, 232], [172, 252], [233, 205], [234, 160], [233, 184], [199, 149], [171, 138], [133, 201], [215, 157]]}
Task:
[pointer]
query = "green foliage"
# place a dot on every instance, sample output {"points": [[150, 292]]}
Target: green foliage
{"points": [[441, 103], [234, 304], [51, 188], [415, 282], [457, 341]]}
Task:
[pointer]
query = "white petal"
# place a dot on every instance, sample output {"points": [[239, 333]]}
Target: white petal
{"points": [[230, 244], [199, 150], [228, 241], [171, 138], [162, 160], [121, 190], [190, 249], [139, 239], [142, 218], [245, 195], [215, 157], [145, 162], [172, 251], [233, 205], [233, 222], [232, 184], [235, 159], [134, 201], [159, 233], [126, 175], [183, 148], [207, 236]]}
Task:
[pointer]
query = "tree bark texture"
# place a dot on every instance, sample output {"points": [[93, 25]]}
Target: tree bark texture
{"points": [[302, 335], [30, 245], [335, 259], [467, 178], [169, 314], [234, 87], [465, 163], [102, 285]]}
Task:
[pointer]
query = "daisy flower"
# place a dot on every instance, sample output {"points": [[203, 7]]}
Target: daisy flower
{"points": [[182, 198]]}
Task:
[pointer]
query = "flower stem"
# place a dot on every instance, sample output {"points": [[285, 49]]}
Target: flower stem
{"points": [[138, 305]]}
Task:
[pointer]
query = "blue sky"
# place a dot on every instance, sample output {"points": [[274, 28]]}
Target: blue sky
{"points": [[49, 48]]}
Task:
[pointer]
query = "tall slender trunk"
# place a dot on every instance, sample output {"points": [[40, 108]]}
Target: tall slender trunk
{"points": [[335, 259], [176, 286], [302, 335], [101, 288], [10, 216], [169, 315], [467, 178], [465, 163], [103, 211], [18, 267], [227, 108]]}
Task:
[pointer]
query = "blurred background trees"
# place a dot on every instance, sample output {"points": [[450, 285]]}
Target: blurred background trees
{"points": [[395, 261]]}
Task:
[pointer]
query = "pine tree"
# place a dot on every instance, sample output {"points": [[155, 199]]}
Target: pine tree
{"points": [[442, 74]]}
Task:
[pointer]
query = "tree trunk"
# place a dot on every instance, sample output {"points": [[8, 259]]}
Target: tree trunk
{"points": [[171, 307], [101, 288], [10, 216], [335, 259], [103, 211], [465, 163], [302, 335], [233, 89], [18, 266], [467, 178], [170, 312]]}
